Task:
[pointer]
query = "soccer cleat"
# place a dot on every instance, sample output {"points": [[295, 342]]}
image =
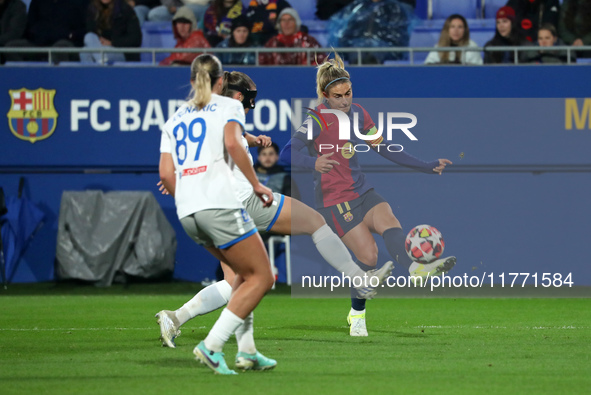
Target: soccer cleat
{"points": [[369, 291], [255, 361], [214, 360], [168, 331], [426, 270], [357, 324]]}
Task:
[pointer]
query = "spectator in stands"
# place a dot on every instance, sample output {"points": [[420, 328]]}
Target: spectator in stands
{"points": [[142, 8], [263, 16], [217, 23], [167, 9], [548, 37], [13, 20], [574, 27], [531, 14], [111, 24], [52, 23], [187, 35], [290, 36], [455, 33], [372, 23], [506, 35], [270, 173], [239, 38]]}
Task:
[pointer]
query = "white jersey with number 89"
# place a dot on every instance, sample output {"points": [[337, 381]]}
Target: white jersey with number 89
{"points": [[195, 139]]}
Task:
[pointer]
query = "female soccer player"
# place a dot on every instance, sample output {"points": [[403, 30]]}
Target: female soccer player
{"points": [[276, 219], [194, 169], [344, 197]]}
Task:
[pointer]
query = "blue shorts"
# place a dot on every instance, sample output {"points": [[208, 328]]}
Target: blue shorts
{"points": [[345, 216]]}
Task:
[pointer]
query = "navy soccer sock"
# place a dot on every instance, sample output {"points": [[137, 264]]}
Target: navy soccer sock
{"points": [[394, 238], [357, 303]]}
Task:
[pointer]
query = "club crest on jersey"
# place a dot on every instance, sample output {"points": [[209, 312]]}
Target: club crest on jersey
{"points": [[348, 216], [348, 150], [32, 115]]}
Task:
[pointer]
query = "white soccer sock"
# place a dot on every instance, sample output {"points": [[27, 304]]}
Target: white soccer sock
{"points": [[245, 336], [223, 328], [207, 300], [334, 252]]}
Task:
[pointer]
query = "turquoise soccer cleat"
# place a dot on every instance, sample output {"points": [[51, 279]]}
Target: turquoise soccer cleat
{"points": [[255, 361], [214, 360]]}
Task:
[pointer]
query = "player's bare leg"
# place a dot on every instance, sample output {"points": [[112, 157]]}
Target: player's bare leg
{"points": [[248, 259]]}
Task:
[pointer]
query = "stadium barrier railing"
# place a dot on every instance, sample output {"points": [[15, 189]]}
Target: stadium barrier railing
{"points": [[411, 51]]}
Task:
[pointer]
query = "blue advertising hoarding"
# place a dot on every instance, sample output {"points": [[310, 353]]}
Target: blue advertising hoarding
{"points": [[518, 137]]}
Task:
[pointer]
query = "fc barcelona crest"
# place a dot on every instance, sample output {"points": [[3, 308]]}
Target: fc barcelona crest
{"points": [[348, 216], [32, 114]]}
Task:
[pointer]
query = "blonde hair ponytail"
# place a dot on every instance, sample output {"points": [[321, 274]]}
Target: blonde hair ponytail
{"points": [[206, 69], [329, 72], [202, 94]]}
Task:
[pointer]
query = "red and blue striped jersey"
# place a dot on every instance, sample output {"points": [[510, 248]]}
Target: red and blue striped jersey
{"points": [[346, 181]]}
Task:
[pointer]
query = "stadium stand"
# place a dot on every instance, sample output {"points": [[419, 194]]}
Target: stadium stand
{"points": [[156, 35], [491, 7], [441, 9], [430, 15]]}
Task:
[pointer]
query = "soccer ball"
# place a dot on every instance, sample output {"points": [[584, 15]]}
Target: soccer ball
{"points": [[424, 244]]}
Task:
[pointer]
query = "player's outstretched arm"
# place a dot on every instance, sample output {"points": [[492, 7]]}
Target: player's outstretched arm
{"points": [[292, 153], [405, 159], [442, 164], [258, 141], [232, 141]]}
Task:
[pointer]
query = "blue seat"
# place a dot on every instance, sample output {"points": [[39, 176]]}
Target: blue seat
{"points": [[157, 35], [441, 9], [306, 8], [492, 6], [425, 34], [318, 29], [482, 30]]}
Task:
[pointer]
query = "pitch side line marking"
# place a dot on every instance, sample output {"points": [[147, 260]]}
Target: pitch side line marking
{"points": [[81, 329]]}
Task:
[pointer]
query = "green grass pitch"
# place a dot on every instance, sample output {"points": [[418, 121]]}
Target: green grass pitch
{"points": [[83, 340]]}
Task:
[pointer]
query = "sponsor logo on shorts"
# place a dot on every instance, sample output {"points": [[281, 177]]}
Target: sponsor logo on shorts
{"points": [[245, 216]]}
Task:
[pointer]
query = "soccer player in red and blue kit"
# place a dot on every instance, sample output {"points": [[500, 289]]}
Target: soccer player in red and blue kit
{"points": [[343, 196]]}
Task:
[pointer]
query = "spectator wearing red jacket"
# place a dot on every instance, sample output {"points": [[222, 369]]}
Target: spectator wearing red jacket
{"points": [[184, 27], [290, 36]]}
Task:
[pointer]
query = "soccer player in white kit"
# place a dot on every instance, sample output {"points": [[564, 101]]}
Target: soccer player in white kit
{"points": [[277, 219], [194, 168]]}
